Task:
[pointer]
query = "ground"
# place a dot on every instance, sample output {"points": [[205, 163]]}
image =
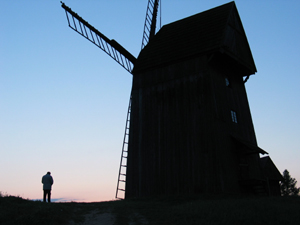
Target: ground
{"points": [[175, 210]]}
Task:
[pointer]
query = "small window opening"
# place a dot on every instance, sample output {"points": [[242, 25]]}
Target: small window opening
{"points": [[233, 117], [227, 82]]}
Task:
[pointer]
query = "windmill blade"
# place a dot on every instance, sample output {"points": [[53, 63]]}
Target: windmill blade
{"points": [[150, 21], [111, 47]]}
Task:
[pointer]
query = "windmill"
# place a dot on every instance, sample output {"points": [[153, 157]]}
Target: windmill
{"points": [[191, 129], [121, 56]]}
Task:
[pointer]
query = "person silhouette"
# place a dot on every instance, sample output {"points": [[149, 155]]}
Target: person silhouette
{"points": [[47, 181]]}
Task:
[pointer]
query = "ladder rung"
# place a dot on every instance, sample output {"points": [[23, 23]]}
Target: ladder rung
{"points": [[123, 174], [123, 165], [122, 180], [121, 189]]}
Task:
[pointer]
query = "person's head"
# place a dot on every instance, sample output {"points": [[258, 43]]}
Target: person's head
{"points": [[48, 173]]}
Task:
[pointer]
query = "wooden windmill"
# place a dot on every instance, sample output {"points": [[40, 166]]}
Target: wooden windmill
{"points": [[191, 129]]}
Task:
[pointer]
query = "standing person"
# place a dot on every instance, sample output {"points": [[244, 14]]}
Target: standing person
{"points": [[47, 181]]}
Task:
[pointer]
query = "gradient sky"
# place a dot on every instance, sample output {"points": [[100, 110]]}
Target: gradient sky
{"points": [[63, 101]]}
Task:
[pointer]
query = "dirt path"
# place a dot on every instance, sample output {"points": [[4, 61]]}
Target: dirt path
{"points": [[97, 218]]}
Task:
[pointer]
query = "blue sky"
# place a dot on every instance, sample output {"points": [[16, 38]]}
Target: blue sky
{"points": [[63, 101]]}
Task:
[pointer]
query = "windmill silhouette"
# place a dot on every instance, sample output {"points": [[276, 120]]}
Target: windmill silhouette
{"points": [[121, 56], [191, 129]]}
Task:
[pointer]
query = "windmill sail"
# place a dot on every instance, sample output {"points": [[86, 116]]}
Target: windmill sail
{"points": [[111, 47], [150, 21]]}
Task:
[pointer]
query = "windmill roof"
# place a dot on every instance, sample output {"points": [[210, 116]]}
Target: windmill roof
{"points": [[215, 30], [269, 168]]}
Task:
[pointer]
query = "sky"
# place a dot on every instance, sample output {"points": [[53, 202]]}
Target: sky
{"points": [[63, 101]]}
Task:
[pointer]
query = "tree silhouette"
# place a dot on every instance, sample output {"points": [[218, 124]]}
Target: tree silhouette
{"points": [[288, 185]]}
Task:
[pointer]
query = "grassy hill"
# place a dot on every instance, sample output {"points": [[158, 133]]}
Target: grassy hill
{"points": [[170, 210]]}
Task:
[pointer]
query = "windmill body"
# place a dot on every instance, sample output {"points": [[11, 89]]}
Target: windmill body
{"points": [[191, 129]]}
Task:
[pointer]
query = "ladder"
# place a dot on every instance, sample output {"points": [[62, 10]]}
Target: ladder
{"points": [[121, 185]]}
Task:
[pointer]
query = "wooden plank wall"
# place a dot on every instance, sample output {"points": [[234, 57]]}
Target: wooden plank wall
{"points": [[180, 130]]}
